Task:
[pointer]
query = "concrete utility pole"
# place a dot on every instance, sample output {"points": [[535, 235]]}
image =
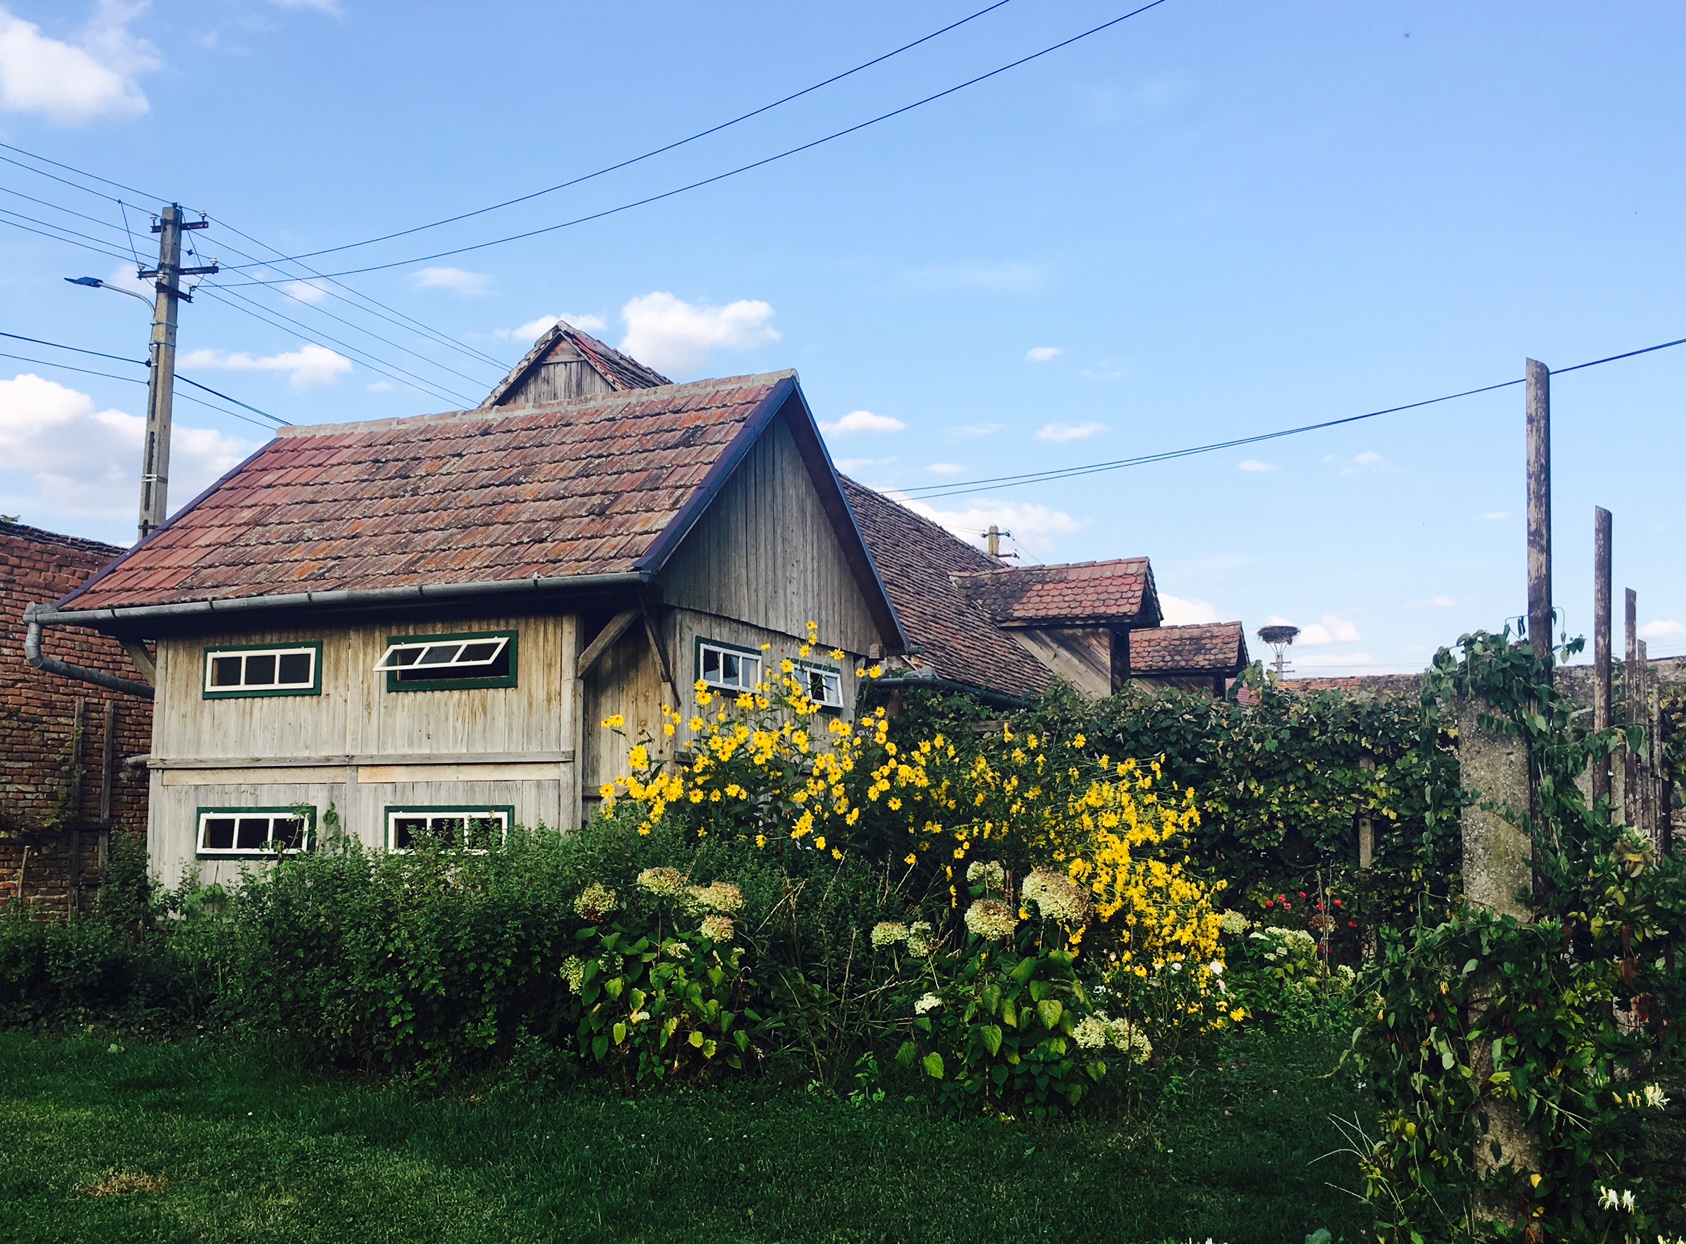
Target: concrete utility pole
{"points": [[1601, 643], [161, 389], [1539, 509]]}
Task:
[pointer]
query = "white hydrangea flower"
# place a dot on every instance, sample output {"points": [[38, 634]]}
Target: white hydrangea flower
{"points": [[1091, 1031], [888, 933], [1234, 923], [926, 1004], [919, 938], [718, 928], [573, 972], [595, 902], [1654, 1097], [1056, 897], [987, 873], [661, 882], [991, 919]]}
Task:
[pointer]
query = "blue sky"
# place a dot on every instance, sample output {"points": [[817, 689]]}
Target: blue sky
{"points": [[1212, 220]]}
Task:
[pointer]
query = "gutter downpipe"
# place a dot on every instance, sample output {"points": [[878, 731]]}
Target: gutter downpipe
{"points": [[99, 678]]}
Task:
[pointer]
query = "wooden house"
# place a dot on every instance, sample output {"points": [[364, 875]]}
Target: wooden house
{"points": [[423, 622]]}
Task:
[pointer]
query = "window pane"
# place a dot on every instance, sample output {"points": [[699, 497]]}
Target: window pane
{"points": [[447, 829], [405, 831], [295, 669], [751, 672], [289, 832], [484, 832], [219, 833], [730, 668], [439, 654], [225, 671], [251, 833], [482, 651], [711, 665], [260, 670]]}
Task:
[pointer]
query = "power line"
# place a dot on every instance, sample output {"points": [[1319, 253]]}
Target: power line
{"points": [[1038, 477], [186, 397], [157, 198], [662, 150], [742, 168], [118, 358], [98, 250]]}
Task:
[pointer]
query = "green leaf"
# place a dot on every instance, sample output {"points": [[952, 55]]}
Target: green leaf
{"points": [[619, 1031], [599, 1046], [696, 1039], [614, 987], [907, 1054], [933, 1064], [991, 1036], [1023, 972], [1050, 1010]]}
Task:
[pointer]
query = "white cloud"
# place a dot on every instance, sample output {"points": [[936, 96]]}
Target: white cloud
{"points": [[330, 7], [73, 83], [1070, 432], [1331, 630], [84, 462], [1433, 602], [863, 421], [1043, 354], [1030, 524], [123, 277], [458, 281], [861, 464], [1493, 516], [672, 335], [1330, 662], [946, 468], [313, 292], [532, 330], [1180, 612], [381, 386], [1253, 464], [1661, 629], [307, 367], [1367, 458], [979, 429]]}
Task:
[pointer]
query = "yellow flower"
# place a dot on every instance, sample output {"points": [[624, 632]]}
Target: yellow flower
{"points": [[819, 842], [760, 840], [607, 790], [615, 722], [910, 859], [877, 671]]}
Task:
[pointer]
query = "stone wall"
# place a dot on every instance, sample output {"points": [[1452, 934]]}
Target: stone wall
{"points": [[53, 835]]}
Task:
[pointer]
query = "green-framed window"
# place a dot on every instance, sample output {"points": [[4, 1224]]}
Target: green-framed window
{"points": [[251, 833], [242, 671], [823, 684], [460, 662], [460, 827], [727, 667]]}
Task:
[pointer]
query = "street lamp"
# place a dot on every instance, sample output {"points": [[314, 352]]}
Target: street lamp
{"points": [[93, 282]]}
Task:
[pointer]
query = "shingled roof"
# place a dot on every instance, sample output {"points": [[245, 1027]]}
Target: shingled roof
{"points": [[1120, 591], [619, 372], [605, 485], [1206, 648], [917, 560]]}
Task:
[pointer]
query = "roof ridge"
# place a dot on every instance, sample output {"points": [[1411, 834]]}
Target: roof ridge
{"points": [[1048, 566], [485, 413]]}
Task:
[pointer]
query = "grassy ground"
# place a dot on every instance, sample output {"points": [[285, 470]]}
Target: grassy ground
{"points": [[203, 1142]]}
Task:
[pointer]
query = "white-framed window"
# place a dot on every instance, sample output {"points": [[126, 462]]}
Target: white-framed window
{"points": [[439, 662], [728, 668], [447, 828], [255, 670], [253, 832], [822, 684]]}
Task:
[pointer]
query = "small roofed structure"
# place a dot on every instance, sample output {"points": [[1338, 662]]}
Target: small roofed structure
{"points": [[566, 363], [1199, 657]]}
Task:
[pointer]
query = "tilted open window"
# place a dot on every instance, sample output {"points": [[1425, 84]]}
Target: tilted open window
{"points": [[245, 670], [447, 829], [449, 662], [727, 668], [253, 832], [822, 684]]}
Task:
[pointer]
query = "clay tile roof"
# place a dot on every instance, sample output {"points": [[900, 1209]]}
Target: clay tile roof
{"points": [[917, 560], [569, 488], [621, 371], [1076, 593], [1208, 648]]}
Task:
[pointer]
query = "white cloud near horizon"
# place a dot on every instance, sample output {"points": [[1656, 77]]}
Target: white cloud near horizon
{"points": [[1042, 354], [1331, 630], [1494, 515], [458, 281], [1432, 602], [946, 468], [1253, 464], [1063, 432], [863, 421], [979, 429], [1179, 612], [312, 292], [73, 83], [533, 329], [1032, 525], [308, 367], [673, 335], [79, 461], [1331, 661], [330, 7], [1662, 628]]}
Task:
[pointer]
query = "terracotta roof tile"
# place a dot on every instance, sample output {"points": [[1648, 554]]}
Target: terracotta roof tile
{"points": [[1207, 648], [568, 488], [1119, 591]]}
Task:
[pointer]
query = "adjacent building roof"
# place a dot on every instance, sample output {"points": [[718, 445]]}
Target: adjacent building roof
{"points": [[597, 486], [918, 562], [1208, 648], [1118, 592], [617, 372]]}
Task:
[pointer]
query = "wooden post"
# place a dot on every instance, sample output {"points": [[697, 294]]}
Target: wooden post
{"points": [[108, 762], [1601, 644], [1631, 692], [1366, 823], [1539, 509], [1648, 757]]}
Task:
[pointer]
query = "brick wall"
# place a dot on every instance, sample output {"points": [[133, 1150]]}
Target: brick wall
{"points": [[51, 831]]}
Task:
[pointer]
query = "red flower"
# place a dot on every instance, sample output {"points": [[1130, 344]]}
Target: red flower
{"points": [[1302, 893], [1337, 902], [1287, 906], [1269, 902], [1352, 924]]}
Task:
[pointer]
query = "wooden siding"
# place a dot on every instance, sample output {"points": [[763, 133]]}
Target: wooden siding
{"points": [[766, 554], [1080, 655], [566, 373]]}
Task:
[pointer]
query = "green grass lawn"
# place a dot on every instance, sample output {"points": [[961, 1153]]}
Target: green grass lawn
{"points": [[203, 1141]]}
